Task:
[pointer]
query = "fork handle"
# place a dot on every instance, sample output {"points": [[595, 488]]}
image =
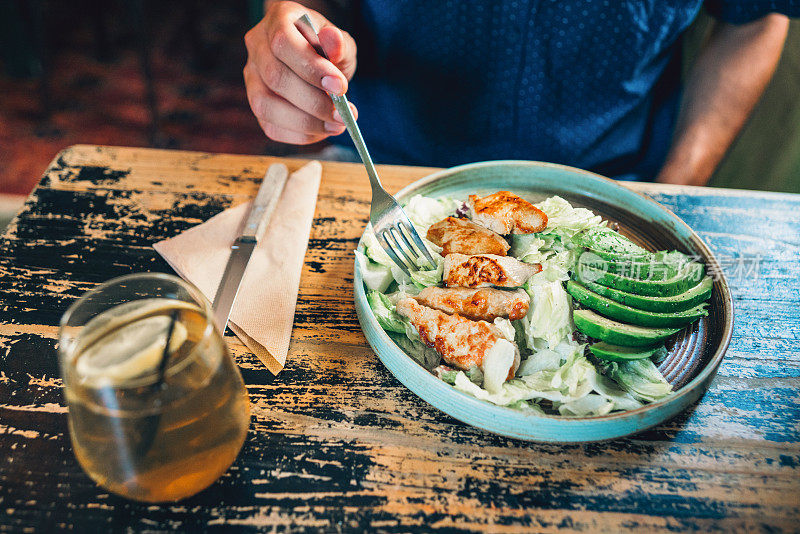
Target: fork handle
{"points": [[306, 27]]}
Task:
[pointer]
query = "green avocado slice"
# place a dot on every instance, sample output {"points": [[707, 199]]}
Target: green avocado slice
{"points": [[686, 278], [624, 257], [616, 353], [656, 266], [620, 257], [688, 299], [607, 241], [621, 312], [615, 333]]}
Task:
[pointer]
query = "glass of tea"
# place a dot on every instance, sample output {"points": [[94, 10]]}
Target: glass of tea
{"points": [[157, 407]]}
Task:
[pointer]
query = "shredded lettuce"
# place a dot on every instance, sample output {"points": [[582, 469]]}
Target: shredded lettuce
{"points": [[564, 220], [557, 267], [419, 351], [425, 211], [376, 276], [374, 251], [475, 374], [556, 258], [541, 360], [385, 312], [527, 407], [446, 374], [506, 328], [569, 381], [530, 248], [641, 378], [549, 317], [589, 404], [426, 278], [497, 362]]}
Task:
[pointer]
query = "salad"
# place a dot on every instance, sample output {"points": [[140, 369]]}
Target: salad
{"points": [[542, 308]]}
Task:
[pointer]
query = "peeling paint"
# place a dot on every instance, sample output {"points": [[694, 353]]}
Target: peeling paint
{"points": [[338, 444]]}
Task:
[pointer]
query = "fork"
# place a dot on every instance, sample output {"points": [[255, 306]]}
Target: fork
{"points": [[391, 225]]}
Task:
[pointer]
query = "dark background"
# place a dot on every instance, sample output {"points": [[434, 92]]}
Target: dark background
{"points": [[77, 72], [168, 74]]}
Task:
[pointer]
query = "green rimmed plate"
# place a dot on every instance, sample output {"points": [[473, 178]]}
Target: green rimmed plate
{"points": [[694, 355]]}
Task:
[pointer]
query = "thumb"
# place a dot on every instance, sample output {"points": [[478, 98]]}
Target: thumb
{"points": [[340, 47]]}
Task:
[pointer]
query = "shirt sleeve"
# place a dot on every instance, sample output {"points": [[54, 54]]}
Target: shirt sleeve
{"points": [[744, 11]]}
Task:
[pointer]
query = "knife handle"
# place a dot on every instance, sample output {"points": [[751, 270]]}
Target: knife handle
{"points": [[265, 202]]}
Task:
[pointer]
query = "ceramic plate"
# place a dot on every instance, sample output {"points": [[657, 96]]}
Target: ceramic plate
{"points": [[694, 355]]}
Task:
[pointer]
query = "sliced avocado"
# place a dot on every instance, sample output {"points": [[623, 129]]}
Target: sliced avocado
{"points": [[626, 257], [622, 256], [616, 353], [624, 265], [615, 333], [606, 241], [688, 277], [688, 299], [643, 270], [621, 312], [657, 266]]}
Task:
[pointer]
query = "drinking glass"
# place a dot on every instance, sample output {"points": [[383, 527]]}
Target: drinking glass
{"points": [[144, 427]]}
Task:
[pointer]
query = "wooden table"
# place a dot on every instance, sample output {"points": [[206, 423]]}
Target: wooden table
{"points": [[336, 443]]}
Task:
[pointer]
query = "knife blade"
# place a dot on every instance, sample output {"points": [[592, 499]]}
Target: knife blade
{"points": [[255, 223]]}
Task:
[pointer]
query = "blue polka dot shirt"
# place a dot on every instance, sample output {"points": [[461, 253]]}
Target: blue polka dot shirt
{"points": [[593, 84]]}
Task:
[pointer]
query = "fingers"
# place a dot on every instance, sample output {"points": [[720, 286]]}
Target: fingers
{"points": [[353, 110], [280, 119], [291, 48], [287, 80], [340, 47], [287, 136], [287, 84]]}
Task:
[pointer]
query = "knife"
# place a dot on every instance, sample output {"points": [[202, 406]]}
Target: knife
{"points": [[241, 250]]}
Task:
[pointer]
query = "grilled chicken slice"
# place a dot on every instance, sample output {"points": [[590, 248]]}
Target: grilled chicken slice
{"points": [[506, 213], [486, 270], [464, 343], [466, 237], [478, 304]]}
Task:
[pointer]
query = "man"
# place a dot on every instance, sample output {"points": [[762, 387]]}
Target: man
{"points": [[595, 85]]}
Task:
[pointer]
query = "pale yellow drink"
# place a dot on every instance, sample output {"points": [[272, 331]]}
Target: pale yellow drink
{"points": [[136, 436]]}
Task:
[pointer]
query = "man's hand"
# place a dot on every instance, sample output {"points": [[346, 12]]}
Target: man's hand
{"points": [[287, 81], [722, 88]]}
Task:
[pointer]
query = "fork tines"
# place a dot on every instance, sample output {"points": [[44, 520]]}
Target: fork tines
{"points": [[396, 239]]}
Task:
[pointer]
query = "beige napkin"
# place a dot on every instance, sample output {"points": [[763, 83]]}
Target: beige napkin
{"points": [[263, 313]]}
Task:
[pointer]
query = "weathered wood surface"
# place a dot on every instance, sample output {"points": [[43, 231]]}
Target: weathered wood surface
{"points": [[336, 443]]}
